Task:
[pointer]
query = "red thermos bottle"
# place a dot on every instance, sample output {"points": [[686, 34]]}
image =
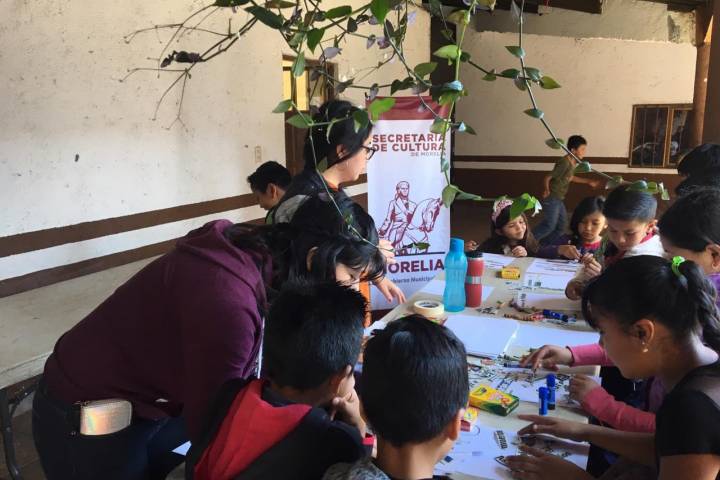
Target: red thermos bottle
{"points": [[473, 280]]}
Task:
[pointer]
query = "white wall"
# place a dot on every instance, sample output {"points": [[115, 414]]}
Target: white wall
{"points": [[60, 64], [601, 79]]}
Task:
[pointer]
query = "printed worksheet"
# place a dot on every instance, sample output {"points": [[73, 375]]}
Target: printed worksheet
{"points": [[496, 262], [544, 266], [481, 452]]}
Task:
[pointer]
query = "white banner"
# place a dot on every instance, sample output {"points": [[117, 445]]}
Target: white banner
{"points": [[404, 194]]}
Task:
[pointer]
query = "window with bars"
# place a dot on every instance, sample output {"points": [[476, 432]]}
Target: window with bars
{"points": [[659, 136]]}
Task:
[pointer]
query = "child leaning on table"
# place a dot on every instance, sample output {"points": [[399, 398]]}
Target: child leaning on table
{"points": [[414, 390], [631, 232], [508, 236], [587, 226]]}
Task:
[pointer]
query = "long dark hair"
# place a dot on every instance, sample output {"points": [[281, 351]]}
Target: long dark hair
{"points": [[699, 158], [587, 206], [317, 225], [693, 221], [497, 241], [646, 287], [319, 145]]}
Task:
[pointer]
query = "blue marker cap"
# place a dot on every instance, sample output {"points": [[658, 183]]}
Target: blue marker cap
{"points": [[550, 380], [543, 392]]}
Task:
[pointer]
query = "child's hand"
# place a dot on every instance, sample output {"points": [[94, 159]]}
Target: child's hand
{"points": [[592, 268], [569, 251], [387, 250], [587, 258], [535, 464], [471, 245], [594, 183], [519, 251], [553, 426], [546, 193], [580, 386], [574, 290], [347, 409], [548, 357]]}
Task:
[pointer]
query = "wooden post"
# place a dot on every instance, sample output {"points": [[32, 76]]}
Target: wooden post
{"points": [[711, 123], [703, 15]]}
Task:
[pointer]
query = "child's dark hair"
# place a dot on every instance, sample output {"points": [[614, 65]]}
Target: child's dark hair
{"points": [[342, 133], [415, 380], [313, 331], [267, 173], [630, 205], [693, 221], [317, 225], [575, 142], [699, 158], [496, 242], [646, 287], [587, 206], [705, 178]]}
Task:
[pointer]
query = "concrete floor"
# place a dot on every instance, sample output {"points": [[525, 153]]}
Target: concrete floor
{"points": [[469, 221]]}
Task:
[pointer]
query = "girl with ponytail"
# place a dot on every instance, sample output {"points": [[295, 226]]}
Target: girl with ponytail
{"points": [[658, 319]]}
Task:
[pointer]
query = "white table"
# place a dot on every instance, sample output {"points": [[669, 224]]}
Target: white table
{"points": [[501, 292], [32, 322]]}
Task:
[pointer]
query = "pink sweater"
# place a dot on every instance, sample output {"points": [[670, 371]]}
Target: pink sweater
{"points": [[603, 406]]}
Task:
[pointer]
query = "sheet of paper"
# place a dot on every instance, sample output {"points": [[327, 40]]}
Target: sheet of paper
{"points": [[553, 267], [550, 282], [437, 287], [484, 336], [480, 452], [535, 336], [496, 262], [183, 449], [521, 382], [548, 301]]}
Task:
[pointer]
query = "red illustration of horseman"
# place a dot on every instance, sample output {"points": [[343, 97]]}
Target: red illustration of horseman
{"points": [[407, 223]]}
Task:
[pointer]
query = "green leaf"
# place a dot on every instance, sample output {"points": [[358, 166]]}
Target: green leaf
{"points": [[522, 203], [230, 3], [283, 106], [470, 130], [296, 40], [533, 73], [510, 73], [446, 98], [582, 167], [435, 8], [298, 67], [535, 113], [448, 194], [439, 126], [450, 52], [338, 12], [468, 196], [360, 120], [398, 85], [380, 9], [665, 194], [298, 121], [549, 83], [421, 245], [279, 4], [459, 17], [520, 84], [424, 69], [554, 144], [267, 17], [314, 37], [638, 186], [614, 183], [491, 76], [444, 163], [352, 25], [322, 166], [380, 106], [517, 51]]}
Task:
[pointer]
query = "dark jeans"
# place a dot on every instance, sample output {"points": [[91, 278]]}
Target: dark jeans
{"points": [[142, 451], [553, 223]]}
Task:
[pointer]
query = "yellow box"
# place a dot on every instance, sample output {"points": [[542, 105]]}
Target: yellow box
{"points": [[494, 401], [510, 273]]}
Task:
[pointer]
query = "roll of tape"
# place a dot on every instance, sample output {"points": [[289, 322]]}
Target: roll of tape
{"points": [[429, 308]]}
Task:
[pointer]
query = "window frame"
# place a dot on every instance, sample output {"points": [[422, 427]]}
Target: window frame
{"points": [[671, 108]]}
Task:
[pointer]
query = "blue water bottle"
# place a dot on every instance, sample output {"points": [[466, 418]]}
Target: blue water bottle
{"points": [[455, 271]]}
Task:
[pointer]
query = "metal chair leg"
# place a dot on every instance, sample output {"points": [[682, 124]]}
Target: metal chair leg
{"points": [[7, 435]]}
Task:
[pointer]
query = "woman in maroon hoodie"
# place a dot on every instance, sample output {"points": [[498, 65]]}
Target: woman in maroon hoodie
{"points": [[168, 338]]}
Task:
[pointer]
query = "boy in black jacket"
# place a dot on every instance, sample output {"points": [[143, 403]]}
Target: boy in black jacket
{"points": [[303, 416]]}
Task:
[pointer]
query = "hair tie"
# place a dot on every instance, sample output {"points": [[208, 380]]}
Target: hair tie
{"points": [[676, 262]]}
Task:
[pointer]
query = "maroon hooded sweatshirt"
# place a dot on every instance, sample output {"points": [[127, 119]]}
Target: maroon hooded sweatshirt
{"points": [[172, 335]]}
